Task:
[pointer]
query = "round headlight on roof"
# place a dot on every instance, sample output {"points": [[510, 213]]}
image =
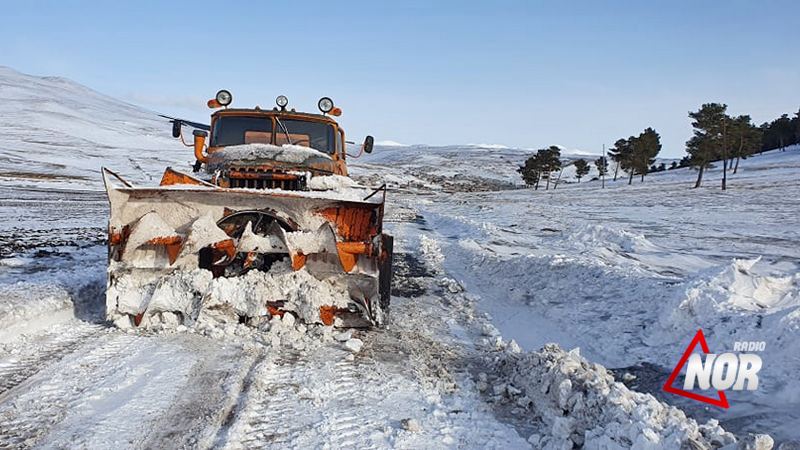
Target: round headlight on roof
{"points": [[224, 97], [282, 101], [325, 104]]}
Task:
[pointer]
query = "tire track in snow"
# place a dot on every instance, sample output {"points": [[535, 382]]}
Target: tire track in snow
{"points": [[345, 423], [26, 415], [229, 413], [270, 413], [326, 400], [103, 395], [210, 395], [154, 372], [29, 359], [309, 402]]}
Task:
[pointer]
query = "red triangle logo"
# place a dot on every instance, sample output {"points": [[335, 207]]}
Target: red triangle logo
{"points": [[699, 338]]}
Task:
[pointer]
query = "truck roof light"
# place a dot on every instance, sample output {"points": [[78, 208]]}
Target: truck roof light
{"points": [[282, 101], [224, 97], [325, 104]]}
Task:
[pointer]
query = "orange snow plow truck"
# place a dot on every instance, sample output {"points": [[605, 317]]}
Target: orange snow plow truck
{"points": [[269, 196]]}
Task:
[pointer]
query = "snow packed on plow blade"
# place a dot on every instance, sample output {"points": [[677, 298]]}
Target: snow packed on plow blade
{"points": [[185, 252]]}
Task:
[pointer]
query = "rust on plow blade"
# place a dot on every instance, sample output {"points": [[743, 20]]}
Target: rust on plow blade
{"points": [[189, 224]]}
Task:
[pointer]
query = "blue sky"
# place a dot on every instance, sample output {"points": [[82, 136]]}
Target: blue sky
{"points": [[528, 74]]}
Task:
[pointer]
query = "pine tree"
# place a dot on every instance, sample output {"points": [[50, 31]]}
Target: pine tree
{"points": [[541, 165], [602, 168], [737, 134], [645, 149], [709, 123], [618, 153], [701, 152], [779, 133], [744, 138], [796, 121], [674, 165], [624, 154], [764, 137], [531, 172], [550, 160], [784, 131], [581, 168]]}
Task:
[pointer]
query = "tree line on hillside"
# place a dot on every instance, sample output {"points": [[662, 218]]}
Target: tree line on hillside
{"points": [[781, 132], [541, 166], [636, 154], [720, 137], [716, 137]]}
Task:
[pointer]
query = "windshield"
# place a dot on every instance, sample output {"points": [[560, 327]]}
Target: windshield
{"points": [[317, 135], [237, 130]]}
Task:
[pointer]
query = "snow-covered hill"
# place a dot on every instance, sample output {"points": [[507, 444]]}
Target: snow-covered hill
{"points": [[468, 167], [458, 167], [57, 132]]}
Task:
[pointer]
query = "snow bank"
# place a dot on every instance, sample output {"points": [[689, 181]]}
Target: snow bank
{"points": [[632, 250], [590, 236], [254, 152], [746, 300], [739, 288], [24, 306], [737, 302], [538, 299], [581, 405]]}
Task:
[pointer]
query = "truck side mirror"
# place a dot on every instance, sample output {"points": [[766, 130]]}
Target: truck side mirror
{"points": [[369, 142], [176, 128]]}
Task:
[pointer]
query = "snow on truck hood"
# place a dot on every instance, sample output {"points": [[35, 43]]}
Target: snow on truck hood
{"points": [[295, 154], [326, 187]]}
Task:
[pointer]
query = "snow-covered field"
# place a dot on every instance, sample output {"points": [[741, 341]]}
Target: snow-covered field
{"points": [[486, 275]]}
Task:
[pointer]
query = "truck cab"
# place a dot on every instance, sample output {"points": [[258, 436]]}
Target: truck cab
{"points": [[268, 134]]}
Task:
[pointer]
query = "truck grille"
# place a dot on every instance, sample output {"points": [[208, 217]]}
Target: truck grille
{"points": [[254, 178]]}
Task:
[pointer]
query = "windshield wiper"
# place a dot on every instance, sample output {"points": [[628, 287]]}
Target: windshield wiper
{"points": [[285, 131]]}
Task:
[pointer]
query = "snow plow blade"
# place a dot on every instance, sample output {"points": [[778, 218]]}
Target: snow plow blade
{"points": [[175, 249]]}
